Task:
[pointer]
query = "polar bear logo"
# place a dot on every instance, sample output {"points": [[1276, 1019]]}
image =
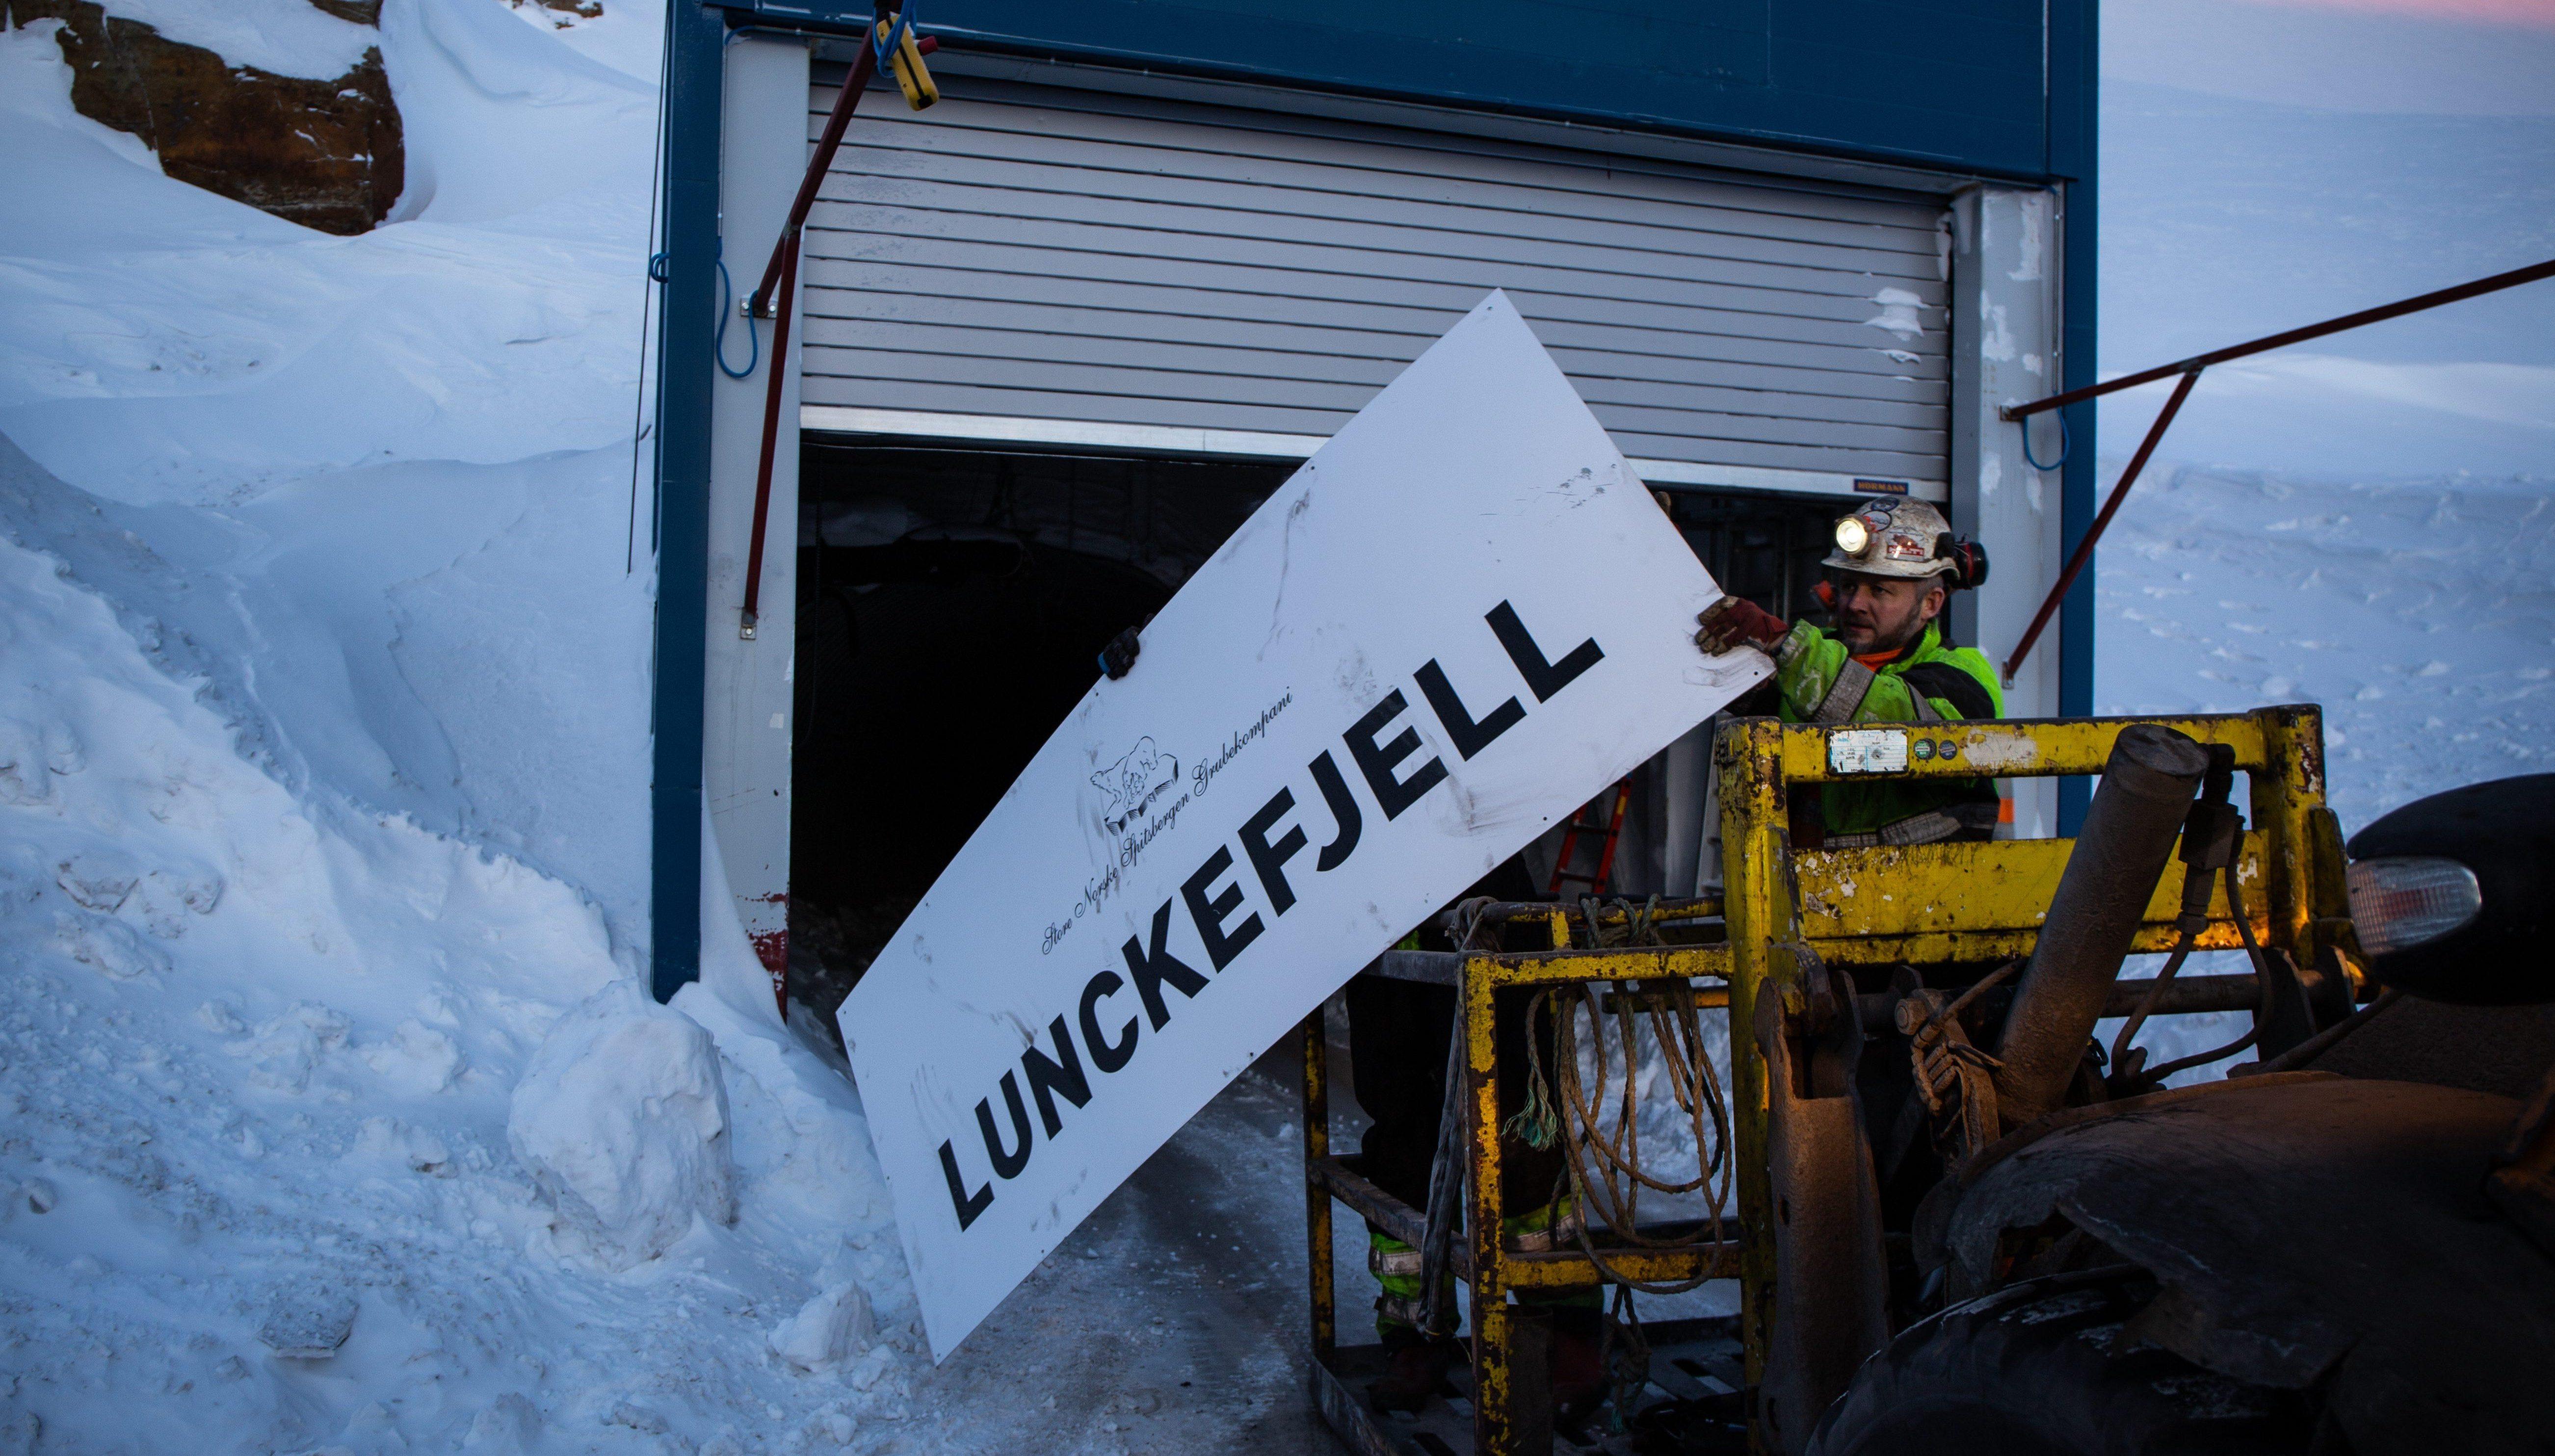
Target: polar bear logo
{"points": [[1132, 780]]}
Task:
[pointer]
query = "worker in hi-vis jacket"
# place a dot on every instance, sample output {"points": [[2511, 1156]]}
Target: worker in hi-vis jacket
{"points": [[1887, 660]]}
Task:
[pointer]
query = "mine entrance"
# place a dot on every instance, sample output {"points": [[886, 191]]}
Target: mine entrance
{"points": [[952, 605]]}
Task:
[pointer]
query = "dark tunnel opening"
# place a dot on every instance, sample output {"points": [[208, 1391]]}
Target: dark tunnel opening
{"points": [[952, 605]]}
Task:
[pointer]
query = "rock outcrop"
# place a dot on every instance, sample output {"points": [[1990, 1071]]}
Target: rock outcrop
{"points": [[323, 153]]}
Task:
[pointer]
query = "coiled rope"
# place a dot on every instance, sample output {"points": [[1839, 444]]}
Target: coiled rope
{"points": [[1604, 1169]]}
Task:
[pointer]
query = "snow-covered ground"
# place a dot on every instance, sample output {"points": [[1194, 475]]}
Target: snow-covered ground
{"points": [[260, 1053], [375, 490], [323, 642], [2421, 616]]}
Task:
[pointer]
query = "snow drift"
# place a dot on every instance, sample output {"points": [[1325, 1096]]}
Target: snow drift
{"points": [[331, 1113]]}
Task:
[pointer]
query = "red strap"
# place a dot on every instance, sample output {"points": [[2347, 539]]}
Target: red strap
{"points": [[780, 283], [780, 370], [831, 141]]}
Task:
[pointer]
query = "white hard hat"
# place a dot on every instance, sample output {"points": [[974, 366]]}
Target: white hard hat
{"points": [[1891, 537]]}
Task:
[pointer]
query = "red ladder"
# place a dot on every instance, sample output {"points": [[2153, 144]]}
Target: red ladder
{"points": [[1612, 829]]}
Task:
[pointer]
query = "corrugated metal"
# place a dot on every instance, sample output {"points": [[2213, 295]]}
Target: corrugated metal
{"points": [[1029, 253]]}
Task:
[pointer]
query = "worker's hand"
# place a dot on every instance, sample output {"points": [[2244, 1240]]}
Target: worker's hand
{"points": [[1733, 622], [1119, 655]]}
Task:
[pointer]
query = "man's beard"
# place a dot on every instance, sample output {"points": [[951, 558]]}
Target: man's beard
{"points": [[1865, 640]]}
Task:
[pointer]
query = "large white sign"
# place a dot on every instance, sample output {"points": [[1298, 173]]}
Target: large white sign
{"points": [[1461, 619]]}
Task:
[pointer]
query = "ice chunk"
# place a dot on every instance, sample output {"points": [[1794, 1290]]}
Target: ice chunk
{"points": [[827, 1330], [109, 948], [637, 1418], [98, 878], [419, 1055], [166, 898], [23, 780], [308, 1321], [507, 1427], [830, 1427], [420, 1150], [867, 1371], [284, 1052], [623, 1121]]}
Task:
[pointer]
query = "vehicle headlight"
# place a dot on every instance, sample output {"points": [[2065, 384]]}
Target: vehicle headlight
{"points": [[2400, 903], [1852, 535]]}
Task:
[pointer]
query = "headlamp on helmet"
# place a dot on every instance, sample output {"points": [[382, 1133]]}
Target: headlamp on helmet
{"points": [[1855, 533]]}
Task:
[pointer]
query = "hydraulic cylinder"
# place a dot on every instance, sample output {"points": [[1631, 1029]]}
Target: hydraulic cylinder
{"points": [[2120, 855]]}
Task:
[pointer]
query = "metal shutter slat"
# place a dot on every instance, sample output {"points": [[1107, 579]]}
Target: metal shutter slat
{"points": [[1084, 191], [1004, 248], [1085, 323], [859, 288]]}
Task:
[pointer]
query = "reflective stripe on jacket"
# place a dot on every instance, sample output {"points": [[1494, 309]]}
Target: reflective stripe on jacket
{"points": [[1819, 681]]}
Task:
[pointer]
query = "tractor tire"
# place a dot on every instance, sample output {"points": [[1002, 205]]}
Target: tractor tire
{"points": [[2039, 1370]]}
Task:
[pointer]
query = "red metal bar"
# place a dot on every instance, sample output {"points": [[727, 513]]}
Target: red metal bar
{"points": [[1613, 837], [2379, 314], [782, 274], [778, 371], [2094, 532], [828, 143]]}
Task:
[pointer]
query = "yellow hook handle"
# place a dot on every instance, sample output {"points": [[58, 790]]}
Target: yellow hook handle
{"points": [[912, 76]]}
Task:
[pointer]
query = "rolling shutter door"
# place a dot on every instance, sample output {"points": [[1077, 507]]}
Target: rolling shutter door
{"points": [[1051, 264]]}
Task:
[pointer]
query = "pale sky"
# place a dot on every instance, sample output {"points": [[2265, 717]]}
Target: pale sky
{"points": [[2271, 163], [2438, 57]]}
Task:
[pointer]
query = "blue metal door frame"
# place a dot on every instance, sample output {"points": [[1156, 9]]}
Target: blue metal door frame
{"points": [[2075, 53], [695, 37]]}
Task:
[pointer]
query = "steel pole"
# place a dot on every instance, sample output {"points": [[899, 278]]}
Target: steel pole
{"points": [[2362, 320], [2094, 532], [828, 142]]}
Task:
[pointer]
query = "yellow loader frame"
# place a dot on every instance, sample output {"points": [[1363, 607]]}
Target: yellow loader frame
{"points": [[1918, 905]]}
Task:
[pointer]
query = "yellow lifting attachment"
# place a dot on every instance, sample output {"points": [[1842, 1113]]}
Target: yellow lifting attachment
{"points": [[912, 76], [1967, 904]]}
